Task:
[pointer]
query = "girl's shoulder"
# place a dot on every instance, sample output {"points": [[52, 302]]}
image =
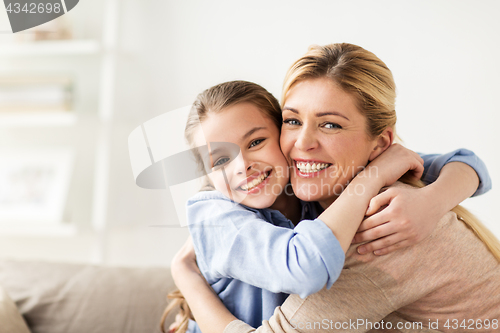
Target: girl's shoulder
{"points": [[213, 206], [207, 195], [209, 207]]}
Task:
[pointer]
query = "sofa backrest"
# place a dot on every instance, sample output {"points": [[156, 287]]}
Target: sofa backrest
{"points": [[62, 298]]}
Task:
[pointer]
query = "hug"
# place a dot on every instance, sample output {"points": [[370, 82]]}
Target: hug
{"points": [[372, 231]]}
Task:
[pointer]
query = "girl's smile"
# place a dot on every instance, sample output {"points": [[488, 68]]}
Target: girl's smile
{"points": [[254, 182]]}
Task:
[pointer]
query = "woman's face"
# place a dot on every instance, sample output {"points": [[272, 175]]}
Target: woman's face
{"points": [[324, 139], [251, 170]]}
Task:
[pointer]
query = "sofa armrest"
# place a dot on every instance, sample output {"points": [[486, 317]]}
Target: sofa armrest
{"points": [[10, 318]]}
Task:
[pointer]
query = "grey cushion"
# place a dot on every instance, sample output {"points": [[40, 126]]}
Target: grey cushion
{"points": [[69, 298], [11, 320]]}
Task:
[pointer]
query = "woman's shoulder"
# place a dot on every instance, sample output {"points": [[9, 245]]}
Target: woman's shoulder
{"points": [[451, 245]]}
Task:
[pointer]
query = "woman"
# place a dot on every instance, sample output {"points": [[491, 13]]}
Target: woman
{"points": [[450, 280]]}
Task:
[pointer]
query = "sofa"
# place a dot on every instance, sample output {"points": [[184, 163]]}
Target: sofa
{"points": [[43, 297]]}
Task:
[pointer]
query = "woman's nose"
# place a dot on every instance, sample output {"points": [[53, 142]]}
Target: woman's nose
{"points": [[306, 139]]}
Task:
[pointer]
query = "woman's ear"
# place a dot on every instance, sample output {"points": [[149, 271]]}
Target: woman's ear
{"points": [[383, 142]]}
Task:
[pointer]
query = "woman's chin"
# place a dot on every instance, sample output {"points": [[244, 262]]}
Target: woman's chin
{"points": [[314, 192], [307, 192]]}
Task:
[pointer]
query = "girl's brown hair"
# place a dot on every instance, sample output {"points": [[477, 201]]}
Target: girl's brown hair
{"points": [[212, 101]]}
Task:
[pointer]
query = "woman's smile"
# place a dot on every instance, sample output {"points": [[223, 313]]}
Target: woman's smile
{"points": [[309, 168]]}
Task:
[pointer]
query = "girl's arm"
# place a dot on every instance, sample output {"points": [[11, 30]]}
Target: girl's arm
{"points": [[454, 177], [210, 313], [234, 242], [434, 164]]}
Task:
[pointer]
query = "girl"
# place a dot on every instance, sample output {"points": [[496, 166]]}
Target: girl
{"points": [[253, 265]]}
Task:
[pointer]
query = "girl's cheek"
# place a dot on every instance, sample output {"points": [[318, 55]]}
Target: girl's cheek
{"points": [[286, 143]]}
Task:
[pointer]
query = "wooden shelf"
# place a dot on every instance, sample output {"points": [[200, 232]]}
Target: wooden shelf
{"points": [[50, 48], [60, 230], [41, 119]]}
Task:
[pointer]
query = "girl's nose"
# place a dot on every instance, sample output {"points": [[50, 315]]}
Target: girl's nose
{"points": [[243, 165], [246, 167]]}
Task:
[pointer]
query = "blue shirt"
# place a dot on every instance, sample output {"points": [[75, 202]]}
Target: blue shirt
{"points": [[254, 258]]}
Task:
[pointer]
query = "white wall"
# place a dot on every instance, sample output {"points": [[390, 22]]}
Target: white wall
{"points": [[444, 56]]}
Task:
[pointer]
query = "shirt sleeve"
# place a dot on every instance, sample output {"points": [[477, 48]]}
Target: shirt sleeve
{"points": [[433, 163], [233, 242]]}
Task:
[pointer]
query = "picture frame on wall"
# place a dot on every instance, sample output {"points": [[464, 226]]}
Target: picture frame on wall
{"points": [[34, 186]]}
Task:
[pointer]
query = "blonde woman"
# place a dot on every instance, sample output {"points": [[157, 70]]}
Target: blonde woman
{"points": [[338, 104]]}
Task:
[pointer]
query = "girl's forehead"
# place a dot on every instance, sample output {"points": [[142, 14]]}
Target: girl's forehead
{"points": [[233, 124]]}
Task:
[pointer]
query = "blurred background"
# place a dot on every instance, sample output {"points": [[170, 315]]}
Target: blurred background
{"points": [[72, 90]]}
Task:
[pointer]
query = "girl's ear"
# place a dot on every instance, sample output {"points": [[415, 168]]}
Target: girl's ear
{"points": [[383, 142]]}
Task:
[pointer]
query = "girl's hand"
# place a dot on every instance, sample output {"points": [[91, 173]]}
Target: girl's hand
{"points": [[184, 261], [210, 313], [175, 325], [394, 163], [410, 216]]}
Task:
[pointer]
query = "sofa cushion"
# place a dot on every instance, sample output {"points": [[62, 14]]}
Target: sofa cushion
{"points": [[70, 298], [10, 318]]}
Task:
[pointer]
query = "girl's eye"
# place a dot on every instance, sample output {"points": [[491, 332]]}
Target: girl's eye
{"points": [[332, 126], [293, 122], [256, 142], [221, 161]]}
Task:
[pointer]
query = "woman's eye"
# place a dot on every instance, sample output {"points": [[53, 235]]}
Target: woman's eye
{"points": [[256, 142], [221, 161], [332, 126], [293, 122]]}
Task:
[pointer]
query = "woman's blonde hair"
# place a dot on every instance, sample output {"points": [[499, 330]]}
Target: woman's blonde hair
{"points": [[211, 101], [471, 221], [367, 78], [358, 72]]}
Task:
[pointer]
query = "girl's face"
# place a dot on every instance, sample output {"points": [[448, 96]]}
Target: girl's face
{"points": [[324, 139], [258, 174]]}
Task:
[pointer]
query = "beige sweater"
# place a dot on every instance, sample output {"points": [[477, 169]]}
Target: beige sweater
{"points": [[448, 277]]}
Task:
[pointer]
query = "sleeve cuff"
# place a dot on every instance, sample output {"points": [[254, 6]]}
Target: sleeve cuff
{"points": [[471, 159], [435, 163], [238, 326]]}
